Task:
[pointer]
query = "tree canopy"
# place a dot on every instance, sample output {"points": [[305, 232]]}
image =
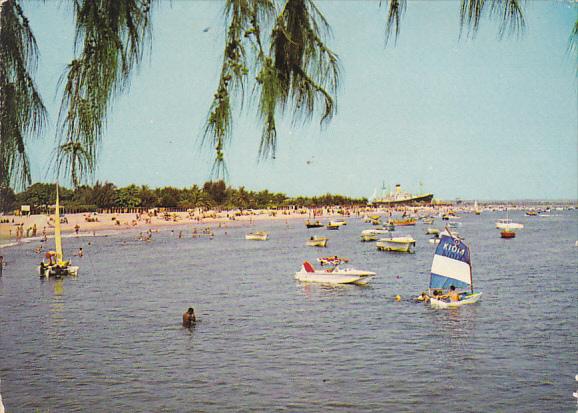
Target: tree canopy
{"points": [[276, 59]]}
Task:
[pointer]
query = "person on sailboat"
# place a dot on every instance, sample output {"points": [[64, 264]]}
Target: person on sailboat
{"points": [[452, 294], [50, 255]]}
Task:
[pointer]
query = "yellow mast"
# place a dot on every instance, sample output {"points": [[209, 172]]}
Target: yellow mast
{"points": [[57, 234]]}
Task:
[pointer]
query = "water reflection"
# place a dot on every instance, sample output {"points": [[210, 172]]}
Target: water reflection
{"points": [[57, 318]]}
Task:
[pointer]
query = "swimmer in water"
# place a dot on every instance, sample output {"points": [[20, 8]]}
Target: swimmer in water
{"points": [[189, 318]]}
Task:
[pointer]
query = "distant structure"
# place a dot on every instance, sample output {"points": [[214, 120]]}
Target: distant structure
{"points": [[399, 197]]}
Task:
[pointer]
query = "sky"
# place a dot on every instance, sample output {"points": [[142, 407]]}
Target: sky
{"points": [[478, 118]]}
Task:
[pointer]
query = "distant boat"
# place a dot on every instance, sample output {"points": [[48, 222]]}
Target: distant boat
{"points": [[403, 222], [315, 224], [507, 234], [428, 220], [338, 222], [397, 244], [333, 227], [399, 197], [372, 234], [257, 236], [451, 266], [317, 242], [508, 224], [477, 210], [432, 231], [59, 266]]}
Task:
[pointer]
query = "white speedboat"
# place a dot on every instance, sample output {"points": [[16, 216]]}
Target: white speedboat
{"points": [[398, 244], [257, 236], [333, 275], [508, 224]]}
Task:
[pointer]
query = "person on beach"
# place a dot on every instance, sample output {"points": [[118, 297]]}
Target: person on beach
{"points": [[1, 264], [76, 229], [189, 318]]}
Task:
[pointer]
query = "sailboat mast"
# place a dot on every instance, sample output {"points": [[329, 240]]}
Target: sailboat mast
{"points": [[471, 276], [57, 232]]}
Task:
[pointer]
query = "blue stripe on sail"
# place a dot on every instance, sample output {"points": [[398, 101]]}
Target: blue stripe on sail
{"points": [[453, 248], [444, 283]]}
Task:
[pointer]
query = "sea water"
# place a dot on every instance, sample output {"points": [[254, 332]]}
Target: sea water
{"points": [[111, 339]]}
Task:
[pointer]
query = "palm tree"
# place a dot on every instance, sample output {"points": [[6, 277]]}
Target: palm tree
{"points": [[276, 54]]}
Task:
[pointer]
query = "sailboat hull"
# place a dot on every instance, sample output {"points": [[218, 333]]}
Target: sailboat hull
{"points": [[57, 271], [469, 299]]}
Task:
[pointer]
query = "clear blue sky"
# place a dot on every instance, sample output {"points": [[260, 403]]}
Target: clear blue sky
{"points": [[475, 119]]}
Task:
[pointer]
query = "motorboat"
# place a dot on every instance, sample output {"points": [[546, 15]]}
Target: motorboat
{"points": [[333, 275], [57, 266], [507, 223], [317, 241], [398, 244], [507, 234], [257, 236], [452, 270], [332, 227], [368, 237]]}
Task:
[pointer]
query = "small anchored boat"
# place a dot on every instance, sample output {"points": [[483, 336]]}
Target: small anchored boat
{"points": [[317, 241], [257, 236], [397, 244], [315, 224]]}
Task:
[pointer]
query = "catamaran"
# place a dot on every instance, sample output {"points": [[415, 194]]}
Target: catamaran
{"points": [[57, 267], [452, 266]]}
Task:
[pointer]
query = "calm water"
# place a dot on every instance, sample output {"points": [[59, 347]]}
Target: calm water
{"points": [[111, 339]]}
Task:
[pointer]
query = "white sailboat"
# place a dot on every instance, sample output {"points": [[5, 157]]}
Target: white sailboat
{"points": [[59, 266], [452, 267]]}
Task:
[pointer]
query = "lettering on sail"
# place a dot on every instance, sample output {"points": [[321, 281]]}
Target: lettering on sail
{"points": [[454, 250]]}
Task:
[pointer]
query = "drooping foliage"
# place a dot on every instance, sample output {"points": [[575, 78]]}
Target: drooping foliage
{"points": [[111, 36], [22, 113], [509, 13], [291, 69], [276, 59]]}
